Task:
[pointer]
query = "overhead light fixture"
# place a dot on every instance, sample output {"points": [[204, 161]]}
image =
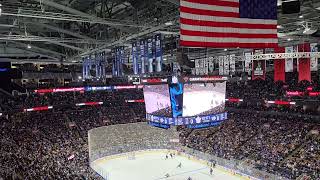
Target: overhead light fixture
{"points": [[301, 16], [289, 39], [169, 23], [29, 46], [225, 49]]}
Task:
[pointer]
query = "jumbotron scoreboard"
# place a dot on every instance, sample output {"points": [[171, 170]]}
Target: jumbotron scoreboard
{"points": [[197, 102]]}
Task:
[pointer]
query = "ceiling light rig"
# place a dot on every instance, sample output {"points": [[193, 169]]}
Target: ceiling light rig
{"points": [[308, 28]]}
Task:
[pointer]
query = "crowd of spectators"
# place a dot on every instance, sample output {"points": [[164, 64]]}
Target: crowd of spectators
{"points": [[255, 95], [269, 143], [53, 144]]}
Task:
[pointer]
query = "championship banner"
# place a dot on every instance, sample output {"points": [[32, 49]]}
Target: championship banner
{"points": [[289, 62], [210, 65], [304, 63], [158, 52], [84, 68], [259, 67], [121, 60], [314, 60], [226, 65], [142, 57], [259, 70], [279, 66], [197, 66], [116, 63], [221, 71], [206, 66], [150, 56], [146, 58], [232, 63], [248, 62], [135, 58], [295, 60]]}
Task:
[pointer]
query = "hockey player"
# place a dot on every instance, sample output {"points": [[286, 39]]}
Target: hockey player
{"points": [[179, 165]]}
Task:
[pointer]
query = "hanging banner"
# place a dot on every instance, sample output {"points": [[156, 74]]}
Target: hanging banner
{"points": [[259, 70], [279, 66], [122, 59], [226, 61], [135, 58], [232, 63], [314, 60], [146, 58], [197, 66], [84, 68], [289, 61], [118, 62], [150, 56], [206, 66], [158, 52], [248, 62], [221, 64], [304, 63], [115, 63], [210, 65], [259, 67], [295, 60], [142, 56]]}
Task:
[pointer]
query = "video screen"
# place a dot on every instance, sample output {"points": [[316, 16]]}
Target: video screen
{"points": [[157, 100], [203, 99]]}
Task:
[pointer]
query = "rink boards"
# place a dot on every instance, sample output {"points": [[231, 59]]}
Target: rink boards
{"points": [[152, 165]]}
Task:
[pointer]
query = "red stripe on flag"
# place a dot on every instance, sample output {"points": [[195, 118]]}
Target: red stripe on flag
{"points": [[216, 2], [208, 12], [227, 24], [227, 35], [227, 45]]}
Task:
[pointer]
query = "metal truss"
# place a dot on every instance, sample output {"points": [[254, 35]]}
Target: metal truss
{"points": [[284, 55], [273, 56], [50, 39], [66, 17]]}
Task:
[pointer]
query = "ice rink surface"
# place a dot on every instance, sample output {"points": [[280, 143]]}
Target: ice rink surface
{"points": [[154, 166]]}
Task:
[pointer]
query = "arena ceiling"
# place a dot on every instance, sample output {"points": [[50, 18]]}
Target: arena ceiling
{"points": [[52, 30]]}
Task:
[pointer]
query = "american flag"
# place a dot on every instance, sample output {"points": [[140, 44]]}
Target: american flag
{"points": [[228, 23]]}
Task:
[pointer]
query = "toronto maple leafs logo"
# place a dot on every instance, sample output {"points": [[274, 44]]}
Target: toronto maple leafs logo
{"points": [[198, 119]]}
